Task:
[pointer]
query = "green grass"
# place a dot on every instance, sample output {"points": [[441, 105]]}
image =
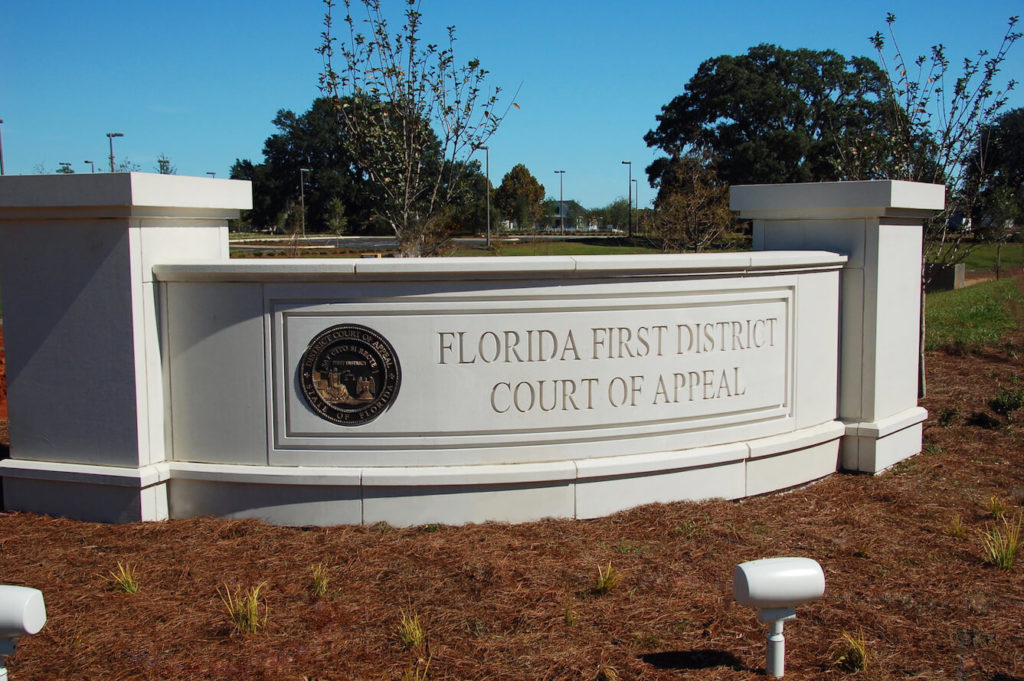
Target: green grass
{"points": [[974, 316], [984, 257]]}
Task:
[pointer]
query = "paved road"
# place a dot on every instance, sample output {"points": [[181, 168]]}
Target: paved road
{"points": [[383, 243]]}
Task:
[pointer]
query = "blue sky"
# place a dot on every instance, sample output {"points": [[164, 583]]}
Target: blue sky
{"points": [[200, 80]]}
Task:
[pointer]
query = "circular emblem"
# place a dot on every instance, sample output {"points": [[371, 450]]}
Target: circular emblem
{"points": [[349, 374]]}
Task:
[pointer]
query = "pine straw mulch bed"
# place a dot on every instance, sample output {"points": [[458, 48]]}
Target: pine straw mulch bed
{"points": [[515, 602]]}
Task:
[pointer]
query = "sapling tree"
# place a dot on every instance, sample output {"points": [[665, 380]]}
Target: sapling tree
{"points": [[411, 115], [938, 118]]}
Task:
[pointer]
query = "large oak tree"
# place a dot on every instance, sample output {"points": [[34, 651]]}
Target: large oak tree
{"points": [[777, 115]]}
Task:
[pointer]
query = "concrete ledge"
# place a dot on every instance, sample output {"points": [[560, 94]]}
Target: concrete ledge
{"points": [[497, 268], [888, 425], [307, 495], [112, 476], [874, 447]]}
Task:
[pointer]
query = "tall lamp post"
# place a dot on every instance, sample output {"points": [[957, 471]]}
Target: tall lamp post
{"points": [[629, 199], [561, 203], [92, 166], [636, 204], [302, 198], [110, 137], [1, 150], [487, 189], [211, 173]]}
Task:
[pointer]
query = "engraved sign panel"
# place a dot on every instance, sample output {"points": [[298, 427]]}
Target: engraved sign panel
{"points": [[604, 375]]}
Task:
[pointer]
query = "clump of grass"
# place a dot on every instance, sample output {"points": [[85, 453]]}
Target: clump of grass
{"points": [[851, 653], [318, 585], [569, 615], [410, 632], [247, 608], [607, 673], [947, 417], [997, 506], [607, 579], [1006, 401], [956, 528], [1001, 543], [417, 670], [124, 579]]}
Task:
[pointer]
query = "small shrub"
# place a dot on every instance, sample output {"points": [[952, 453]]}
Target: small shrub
{"points": [[1006, 401], [318, 585], [956, 528], [607, 579], [410, 632], [124, 579], [1001, 543], [851, 653], [247, 609]]}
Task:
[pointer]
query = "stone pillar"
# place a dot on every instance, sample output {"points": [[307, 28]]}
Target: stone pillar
{"points": [[85, 389], [878, 225]]}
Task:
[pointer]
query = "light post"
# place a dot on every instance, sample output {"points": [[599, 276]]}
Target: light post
{"points": [[1, 150], [110, 137], [92, 166], [629, 199], [302, 198], [487, 189], [636, 203], [211, 173], [561, 203]]}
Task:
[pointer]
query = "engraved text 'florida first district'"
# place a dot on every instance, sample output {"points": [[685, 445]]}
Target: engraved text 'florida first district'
{"points": [[350, 374]]}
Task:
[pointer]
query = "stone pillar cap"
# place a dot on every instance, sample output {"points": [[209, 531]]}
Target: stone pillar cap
{"points": [[830, 200]]}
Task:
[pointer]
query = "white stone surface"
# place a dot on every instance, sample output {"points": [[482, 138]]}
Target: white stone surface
{"points": [[173, 368], [84, 360], [878, 225]]}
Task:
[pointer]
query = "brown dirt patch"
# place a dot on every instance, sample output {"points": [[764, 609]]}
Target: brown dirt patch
{"points": [[515, 602]]}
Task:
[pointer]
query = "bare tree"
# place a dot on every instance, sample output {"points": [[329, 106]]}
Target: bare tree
{"points": [[411, 116]]}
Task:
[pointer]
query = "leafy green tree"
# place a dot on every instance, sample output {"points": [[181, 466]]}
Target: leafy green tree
{"points": [[335, 192], [615, 214], [998, 178], [411, 118], [519, 198], [777, 115], [997, 173], [164, 167]]}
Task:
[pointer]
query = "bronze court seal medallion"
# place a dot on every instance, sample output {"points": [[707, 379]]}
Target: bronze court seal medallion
{"points": [[349, 374]]}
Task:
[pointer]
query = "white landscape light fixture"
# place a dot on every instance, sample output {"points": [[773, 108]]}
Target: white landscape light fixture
{"points": [[775, 586], [22, 612]]}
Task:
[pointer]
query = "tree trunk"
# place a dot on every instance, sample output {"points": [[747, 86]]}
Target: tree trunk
{"points": [[999, 257]]}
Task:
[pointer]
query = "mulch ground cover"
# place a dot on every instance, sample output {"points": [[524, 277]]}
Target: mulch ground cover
{"points": [[902, 554]]}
